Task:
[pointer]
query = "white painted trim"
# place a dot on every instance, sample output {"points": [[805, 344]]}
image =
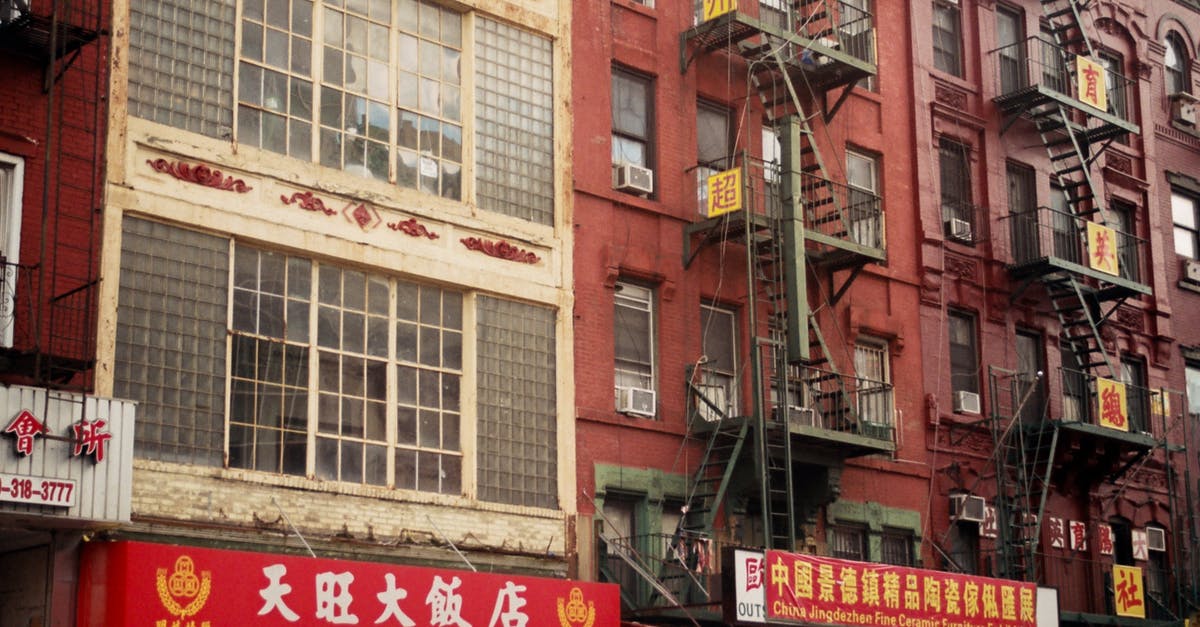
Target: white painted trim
{"points": [[10, 240]]}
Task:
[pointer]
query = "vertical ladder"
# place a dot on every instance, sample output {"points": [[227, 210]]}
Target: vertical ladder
{"points": [[1079, 317]]}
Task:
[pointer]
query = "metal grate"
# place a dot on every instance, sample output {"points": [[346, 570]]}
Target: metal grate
{"points": [[518, 451]]}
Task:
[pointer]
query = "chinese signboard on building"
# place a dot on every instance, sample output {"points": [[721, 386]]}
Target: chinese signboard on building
{"points": [[812, 589], [1102, 248], [724, 191], [1128, 592], [135, 583], [1092, 88], [717, 8], [1110, 395]]}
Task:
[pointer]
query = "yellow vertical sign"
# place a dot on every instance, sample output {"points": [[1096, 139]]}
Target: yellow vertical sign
{"points": [[717, 8], [1102, 248], [1160, 403], [1092, 89], [1110, 396], [724, 192], [1128, 592]]}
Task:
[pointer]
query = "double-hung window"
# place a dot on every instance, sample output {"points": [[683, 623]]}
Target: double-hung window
{"points": [[947, 37], [714, 146], [718, 330], [1185, 213], [874, 381], [964, 357], [955, 178], [632, 122], [862, 179], [633, 337], [12, 175], [1175, 65]]}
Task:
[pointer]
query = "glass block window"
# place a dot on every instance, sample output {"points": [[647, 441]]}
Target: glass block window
{"points": [[181, 55], [170, 350], [514, 110], [518, 449]]}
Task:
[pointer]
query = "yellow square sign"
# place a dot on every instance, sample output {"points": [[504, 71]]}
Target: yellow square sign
{"points": [[724, 192], [1091, 83], [717, 8], [1128, 591], [1102, 248], [1110, 396]]}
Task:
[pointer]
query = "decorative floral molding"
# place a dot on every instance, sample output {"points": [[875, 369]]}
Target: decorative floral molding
{"points": [[199, 174], [362, 215], [308, 201], [500, 249], [413, 228]]}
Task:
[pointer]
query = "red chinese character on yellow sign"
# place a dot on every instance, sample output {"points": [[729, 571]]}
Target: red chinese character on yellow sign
{"points": [[724, 192], [717, 8], [1114, 413], [1091, 85], [1102, 248], [1128, 592]]}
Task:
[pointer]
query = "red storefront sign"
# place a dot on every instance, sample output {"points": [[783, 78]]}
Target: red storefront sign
{"points": [[159, 585], [812, 589]]}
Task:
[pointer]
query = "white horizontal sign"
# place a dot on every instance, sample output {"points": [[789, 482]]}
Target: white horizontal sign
{"points": [[37, 490]]}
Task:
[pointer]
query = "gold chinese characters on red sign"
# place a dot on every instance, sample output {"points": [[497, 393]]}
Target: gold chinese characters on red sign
{"points": [[814, 589]]}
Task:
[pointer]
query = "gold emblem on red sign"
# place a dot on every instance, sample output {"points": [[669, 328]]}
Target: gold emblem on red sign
{"points": [[576, 612], [183, 593]]}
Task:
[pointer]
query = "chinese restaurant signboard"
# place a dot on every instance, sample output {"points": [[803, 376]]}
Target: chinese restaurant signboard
{"points": [[135, 583], [716, 8], [1128, 592], [812, 589], [1114, 412], [1091, 83], [724, 191]]}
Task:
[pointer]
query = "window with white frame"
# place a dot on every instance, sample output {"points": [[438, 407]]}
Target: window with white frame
{"points": [[316, 350], [12, 177], [1175, 65], [633, 337], [1192, 378], [874, 381], [862, 177], [718, 332], [1185, 213]]}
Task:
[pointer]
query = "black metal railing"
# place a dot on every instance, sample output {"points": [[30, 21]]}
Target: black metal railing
{"points": [[964, 222], [841, 211], [1086, 585], [58, 336], [1082, 402], [831, 24], [838, 402], [684, 565], [1039, 63], [1041, 233]]}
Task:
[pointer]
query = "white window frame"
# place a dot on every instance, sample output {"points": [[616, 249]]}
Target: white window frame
{"points": [[641, 299], [1185, 216], [872, 364], [10, 239], [864, 230], [719, 385]]}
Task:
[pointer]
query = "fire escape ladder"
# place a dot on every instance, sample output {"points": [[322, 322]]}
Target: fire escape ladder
{"points": [[779, 510], [1069, 150], [1066, 24], [1024, 457], [1078, 313], [711, 479]]}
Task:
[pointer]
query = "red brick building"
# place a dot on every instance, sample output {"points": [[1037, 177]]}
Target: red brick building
{"points": [[986, 230], [781, 331]]}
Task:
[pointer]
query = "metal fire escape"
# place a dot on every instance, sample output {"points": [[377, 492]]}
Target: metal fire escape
{"points": [[797, 223], [1051, 81], [49, 297]]}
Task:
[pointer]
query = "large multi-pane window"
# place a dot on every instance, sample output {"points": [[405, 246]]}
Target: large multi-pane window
{"points": [[633, 336], [316, 349], [947, 37], [632, 123], [1185, 213]]}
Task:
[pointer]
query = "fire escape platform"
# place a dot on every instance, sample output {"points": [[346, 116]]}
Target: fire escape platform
{"points": [[1089, 452], [1115, 286], [29, 36], [851, 439], [1029, 102], [819, 63]]}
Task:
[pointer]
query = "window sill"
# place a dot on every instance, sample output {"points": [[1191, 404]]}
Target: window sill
{"points": [[1184, 284], [612, 417], [637, 7]]}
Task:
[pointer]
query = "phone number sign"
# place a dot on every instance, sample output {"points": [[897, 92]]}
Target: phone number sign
{"points": [[37, 490]]}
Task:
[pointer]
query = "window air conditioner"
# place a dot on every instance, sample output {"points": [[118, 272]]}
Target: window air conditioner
{"points": [[632, 178], [1183, 108], [1191, 270], [1156, 539], [959, 229], [967, 507], [802, 416], [637, 402], [966, 403]]}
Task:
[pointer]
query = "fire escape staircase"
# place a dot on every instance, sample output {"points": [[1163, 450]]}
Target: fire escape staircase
{"points": [[1024, 458]]}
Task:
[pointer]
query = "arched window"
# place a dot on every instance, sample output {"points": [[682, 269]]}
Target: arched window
{"points": [[1176, 65]]}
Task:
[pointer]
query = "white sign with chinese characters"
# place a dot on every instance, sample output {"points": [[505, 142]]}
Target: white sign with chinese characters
{"points": [[65, 455], [749, 583]]}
